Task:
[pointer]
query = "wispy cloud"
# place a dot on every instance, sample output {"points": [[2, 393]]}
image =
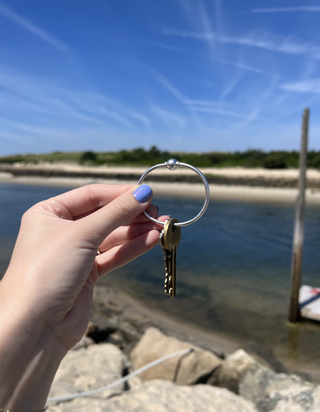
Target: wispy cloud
{"points": [[165, 82], [287, 9], [49, 102], [195, 106], [165, 46], [168, 116], [11, 15], [189, 34], [308, 86], [214, 107], [240, 66], [280, 44]]}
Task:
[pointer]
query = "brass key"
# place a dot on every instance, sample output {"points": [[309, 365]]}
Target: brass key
{"points": [[170, 239], [166, 256]]}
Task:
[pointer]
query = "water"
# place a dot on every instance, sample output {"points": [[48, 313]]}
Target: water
{"points": [[233, 268]]}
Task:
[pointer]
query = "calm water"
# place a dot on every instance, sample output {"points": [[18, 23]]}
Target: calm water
{"points": [[233, 268]]}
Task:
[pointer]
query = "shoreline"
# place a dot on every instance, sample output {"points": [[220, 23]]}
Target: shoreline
{"points": [[113, 299], [194, 190]]}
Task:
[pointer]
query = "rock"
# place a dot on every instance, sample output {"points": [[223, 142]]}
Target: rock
{"points": [[84, 343], [100, 327], [90, 368], [225, 376], [163, 396], [265, 357], [228, 374], [274, 392], [189, 369], [129, 332], [91, 328], [240, 361], [116, 338]]}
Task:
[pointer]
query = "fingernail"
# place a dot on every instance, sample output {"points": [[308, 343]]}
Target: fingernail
{"points": [[143, 193], [156, 207]]}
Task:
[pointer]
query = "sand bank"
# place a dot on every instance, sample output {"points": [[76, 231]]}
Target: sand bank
{"points": [[226, 171], [221, 192]]}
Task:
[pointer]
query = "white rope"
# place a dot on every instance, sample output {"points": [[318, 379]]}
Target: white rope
{"points": [[119, 381]]}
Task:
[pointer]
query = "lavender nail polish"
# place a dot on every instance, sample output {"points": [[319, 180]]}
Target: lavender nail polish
{"points": [[143, 193]]}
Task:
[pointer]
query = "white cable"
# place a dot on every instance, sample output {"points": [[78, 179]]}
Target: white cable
{"points": [[122, 380]]}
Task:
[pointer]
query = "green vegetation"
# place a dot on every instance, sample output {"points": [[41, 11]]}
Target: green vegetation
{"points": [[142, 157]]}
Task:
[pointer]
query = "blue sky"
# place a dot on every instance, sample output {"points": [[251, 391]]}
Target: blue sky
{"points": [[186, 75]]}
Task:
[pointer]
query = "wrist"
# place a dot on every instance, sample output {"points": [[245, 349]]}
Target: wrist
{"points": [[30, 355]]}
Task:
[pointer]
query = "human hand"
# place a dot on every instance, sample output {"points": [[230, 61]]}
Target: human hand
{"points": [[46, 293], [55, 265]]}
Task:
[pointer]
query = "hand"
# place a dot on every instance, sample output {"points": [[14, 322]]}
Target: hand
{"points": [[49, 284]]}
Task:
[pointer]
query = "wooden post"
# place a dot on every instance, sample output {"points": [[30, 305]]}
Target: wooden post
{"points": [[298, 235]]}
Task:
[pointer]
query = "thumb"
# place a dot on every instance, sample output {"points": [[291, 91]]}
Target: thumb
{"points": [[119, 211]]}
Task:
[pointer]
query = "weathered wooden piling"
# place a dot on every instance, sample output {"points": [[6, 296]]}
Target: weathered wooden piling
{"points": [[298, 234]]}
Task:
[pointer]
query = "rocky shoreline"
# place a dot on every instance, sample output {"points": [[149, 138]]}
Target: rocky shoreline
{"points": [[215, 376]]}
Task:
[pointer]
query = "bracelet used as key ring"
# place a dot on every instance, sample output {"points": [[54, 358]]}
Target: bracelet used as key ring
{"points": [[174, 164]]}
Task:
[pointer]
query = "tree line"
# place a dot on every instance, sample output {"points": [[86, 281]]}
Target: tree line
{"points": [[142, 157]]}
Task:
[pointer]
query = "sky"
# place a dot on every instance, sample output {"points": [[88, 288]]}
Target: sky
{"points": [[184, 75]]}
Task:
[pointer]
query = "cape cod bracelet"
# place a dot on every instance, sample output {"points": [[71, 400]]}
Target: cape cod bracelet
{"points": [[173, 164]]}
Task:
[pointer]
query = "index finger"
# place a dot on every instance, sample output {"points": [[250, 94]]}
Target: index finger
{"points": [[89, 198]]}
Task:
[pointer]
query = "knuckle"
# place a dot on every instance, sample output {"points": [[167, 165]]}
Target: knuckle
{"points": [[93, 196], [121, 207]]}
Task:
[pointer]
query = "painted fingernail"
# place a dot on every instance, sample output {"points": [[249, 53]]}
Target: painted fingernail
{"points": [[143, 193], [156, 207]]}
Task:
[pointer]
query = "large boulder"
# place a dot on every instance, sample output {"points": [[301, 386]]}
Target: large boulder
{"points": [[195, 367], [89, 368], [264, 356], [280, 392], [163, 396], [225, 377], [229, 372], [241, 362]]}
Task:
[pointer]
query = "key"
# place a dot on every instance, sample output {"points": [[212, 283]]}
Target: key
{"points": [[170, 239], [166, 254]]}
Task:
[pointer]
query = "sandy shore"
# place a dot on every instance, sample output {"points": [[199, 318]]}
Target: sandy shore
{"points": [[230, 171], [221, 192]]}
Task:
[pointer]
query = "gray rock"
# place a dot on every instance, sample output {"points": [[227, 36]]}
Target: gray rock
{"points": [[129, 332], [225, 376], [84, 343], [100, 327], [241, 362], [229, 372], [116, 338], [263, 355], [163, 396], [185, 370], [274, 392], [87, 369]]}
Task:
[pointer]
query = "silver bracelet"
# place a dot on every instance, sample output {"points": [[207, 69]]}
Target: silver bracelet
{"points": [[174, 164]]}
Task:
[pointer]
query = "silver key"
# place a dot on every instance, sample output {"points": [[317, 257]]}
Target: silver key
{"points": [[170, 238]]}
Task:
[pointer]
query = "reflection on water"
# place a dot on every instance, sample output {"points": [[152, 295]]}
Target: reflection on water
{"points": [[233, 267]]}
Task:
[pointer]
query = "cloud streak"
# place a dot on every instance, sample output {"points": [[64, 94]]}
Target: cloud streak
{"points": [[272, 43], [11, 15], [287, 9], [308, 86], [169, 117]]}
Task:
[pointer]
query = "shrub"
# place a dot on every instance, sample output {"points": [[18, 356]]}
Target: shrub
{"points": [[88, 157]]}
